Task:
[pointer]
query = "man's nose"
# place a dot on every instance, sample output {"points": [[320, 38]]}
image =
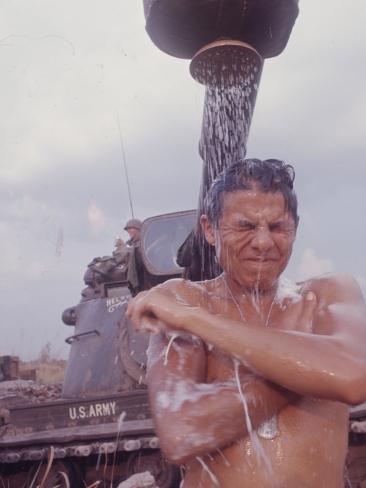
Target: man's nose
{"points": [[262, 240]]}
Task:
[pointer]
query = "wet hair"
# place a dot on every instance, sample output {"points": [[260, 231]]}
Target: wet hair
{"points": [[270, 175]]}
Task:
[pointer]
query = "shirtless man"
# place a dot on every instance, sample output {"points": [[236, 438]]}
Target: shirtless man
{"points": [[249, 375]]}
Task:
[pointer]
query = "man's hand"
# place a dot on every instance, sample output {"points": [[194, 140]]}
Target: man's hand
{"points": [[157, 310], [299, 316]]}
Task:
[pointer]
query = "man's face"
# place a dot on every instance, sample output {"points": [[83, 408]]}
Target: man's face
{"points": [[133, 233], [254, 237]]}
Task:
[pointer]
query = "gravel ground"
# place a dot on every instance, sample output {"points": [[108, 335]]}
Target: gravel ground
{"points": [[26, 391]]}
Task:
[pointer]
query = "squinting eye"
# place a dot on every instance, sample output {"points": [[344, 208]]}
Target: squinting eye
{"points": [[280, 227], [276, 227], [246, 226]]}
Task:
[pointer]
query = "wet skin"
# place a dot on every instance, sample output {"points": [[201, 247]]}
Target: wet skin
{"points": [[310, 449], [305, 349], [254, 239]]}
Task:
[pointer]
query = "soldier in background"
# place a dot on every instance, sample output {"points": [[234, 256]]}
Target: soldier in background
{"points": [[135, 267], [122, 247], [133, 228], [124, 264]]}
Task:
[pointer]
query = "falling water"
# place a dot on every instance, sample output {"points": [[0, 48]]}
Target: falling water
{"points": [[243, 399], [213, 478], [255, 295], [224, 458], [257, 446], [228, 109], [120, 422], [231, 72], [172, 337]]}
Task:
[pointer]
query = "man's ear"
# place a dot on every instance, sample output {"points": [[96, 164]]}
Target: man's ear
{"points": [[208, 229]]}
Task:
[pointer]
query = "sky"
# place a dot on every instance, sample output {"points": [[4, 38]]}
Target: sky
{"points": [[73, 70]]}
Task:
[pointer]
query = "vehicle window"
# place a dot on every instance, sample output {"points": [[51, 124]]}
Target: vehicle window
{"points": [[162, 239]]}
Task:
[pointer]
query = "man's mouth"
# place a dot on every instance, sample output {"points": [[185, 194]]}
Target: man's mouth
{"points": [[261, 259], [260, 263]]}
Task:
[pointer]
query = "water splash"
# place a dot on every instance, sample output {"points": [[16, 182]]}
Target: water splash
{"points": [[213, 478], [255, 296], [182, 475], [228, 289], [172, 337], [287, 289], [257, 446], [224, 458], [242, 398], [120, 421]]}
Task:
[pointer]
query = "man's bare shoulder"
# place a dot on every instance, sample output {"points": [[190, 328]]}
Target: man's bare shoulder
{"points": [[334, 288], [194, 292]]}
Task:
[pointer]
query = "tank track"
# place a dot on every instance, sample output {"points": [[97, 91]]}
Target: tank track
{"points": [[84, 449]]}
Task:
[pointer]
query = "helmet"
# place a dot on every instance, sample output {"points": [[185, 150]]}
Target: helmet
{"points": [[134, 224]]}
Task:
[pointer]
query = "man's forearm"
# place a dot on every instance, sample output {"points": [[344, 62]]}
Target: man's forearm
{"points": [[307, 364], [203, 417]]}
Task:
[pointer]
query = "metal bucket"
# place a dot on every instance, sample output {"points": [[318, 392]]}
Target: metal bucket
{"points": [[182, 27]]}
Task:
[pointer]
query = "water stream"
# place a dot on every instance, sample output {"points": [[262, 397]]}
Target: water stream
{"points": [[262, 457], [231, 74]]}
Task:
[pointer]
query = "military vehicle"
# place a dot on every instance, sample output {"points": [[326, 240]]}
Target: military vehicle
{"points": [[100, 428]]}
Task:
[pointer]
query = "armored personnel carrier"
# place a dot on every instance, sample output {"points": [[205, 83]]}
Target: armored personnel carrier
{"points": [[100, 429]]}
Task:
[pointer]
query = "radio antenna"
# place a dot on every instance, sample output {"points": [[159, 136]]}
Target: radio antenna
{"points": [[125, 166]]}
